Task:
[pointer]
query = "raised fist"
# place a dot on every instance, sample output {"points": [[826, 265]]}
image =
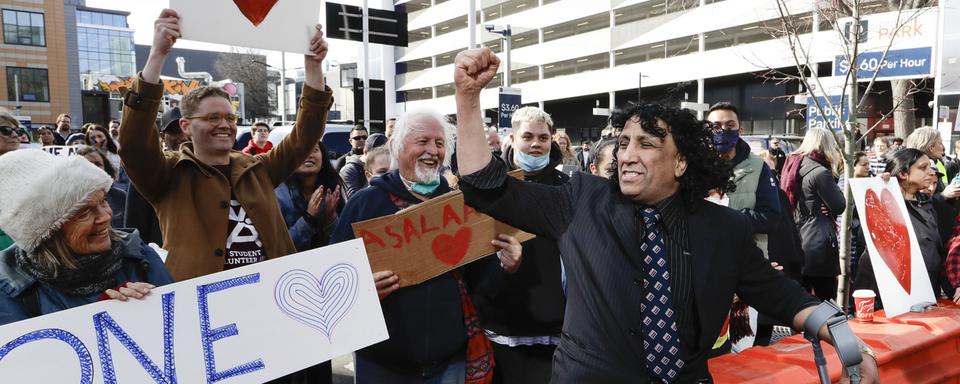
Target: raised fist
{"points": [[166, 31], [473, 70]]}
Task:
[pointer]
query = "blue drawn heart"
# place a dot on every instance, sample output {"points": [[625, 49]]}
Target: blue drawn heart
{"points": [[320, 304]]}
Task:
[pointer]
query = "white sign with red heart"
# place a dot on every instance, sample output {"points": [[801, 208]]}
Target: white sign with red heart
{"points": [[898, 265], [278, 25]]}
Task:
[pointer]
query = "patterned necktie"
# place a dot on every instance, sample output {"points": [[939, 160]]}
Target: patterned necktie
{"points": [[661, 342]]}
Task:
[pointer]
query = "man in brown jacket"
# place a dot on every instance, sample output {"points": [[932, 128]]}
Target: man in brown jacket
{"points": [[216, 206]]}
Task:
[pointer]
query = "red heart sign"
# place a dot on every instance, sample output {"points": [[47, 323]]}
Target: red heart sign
{"points": [[889, 233], [452, 249], [255, 10]]}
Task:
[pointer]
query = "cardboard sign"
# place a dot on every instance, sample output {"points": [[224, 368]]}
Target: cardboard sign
{"points": [[61, 150], [285, 26], [431, 238], [245, 325], [894, 252]]}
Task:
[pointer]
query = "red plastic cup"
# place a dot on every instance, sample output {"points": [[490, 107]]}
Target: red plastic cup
{"points": [[864, 300]]}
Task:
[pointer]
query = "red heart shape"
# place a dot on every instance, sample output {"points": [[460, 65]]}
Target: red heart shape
{"points": [[255, 10], [452, 249], [889, 233]]}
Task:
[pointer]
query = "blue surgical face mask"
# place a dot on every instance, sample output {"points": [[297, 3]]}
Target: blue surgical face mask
{"points": [[726, 140], [531, 163], [426, 189]]}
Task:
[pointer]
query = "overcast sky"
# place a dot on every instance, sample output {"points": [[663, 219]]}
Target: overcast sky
{"points": [[144, 12]]}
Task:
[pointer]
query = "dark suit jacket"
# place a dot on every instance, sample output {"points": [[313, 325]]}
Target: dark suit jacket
{"points": [[595, 227], [581, 158]]}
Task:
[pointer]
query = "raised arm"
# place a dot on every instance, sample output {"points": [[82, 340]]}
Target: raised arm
{"points": [[140, 150], [473, 69], [543, 210], [311, 119]]}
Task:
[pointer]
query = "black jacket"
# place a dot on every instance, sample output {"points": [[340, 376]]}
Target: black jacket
{"points": [[818, 232], [595, 227], [530, 301], [923, 217]]}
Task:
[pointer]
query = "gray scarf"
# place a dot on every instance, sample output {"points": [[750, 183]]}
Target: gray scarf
{"points": [[93, 274]]}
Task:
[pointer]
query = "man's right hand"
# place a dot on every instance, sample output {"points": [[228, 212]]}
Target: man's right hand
{"points": [[386, 282], [166, 31], [474, 69]]}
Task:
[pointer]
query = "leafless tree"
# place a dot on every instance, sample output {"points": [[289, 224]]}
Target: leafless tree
{"points": [[238, 67], [792, 29]]}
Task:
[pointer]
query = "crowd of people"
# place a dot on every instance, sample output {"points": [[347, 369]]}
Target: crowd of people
{"points": [[650, 243]]}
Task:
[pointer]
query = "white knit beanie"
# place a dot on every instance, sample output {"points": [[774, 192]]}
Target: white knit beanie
{"points": [[40, 191]]}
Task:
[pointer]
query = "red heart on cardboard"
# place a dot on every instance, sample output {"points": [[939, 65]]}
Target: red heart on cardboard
{"points": [[255, 10], [889, 233], [451, 249]]}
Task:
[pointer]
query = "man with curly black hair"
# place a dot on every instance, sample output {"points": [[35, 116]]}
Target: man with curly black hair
{"points": [[651, 266]]}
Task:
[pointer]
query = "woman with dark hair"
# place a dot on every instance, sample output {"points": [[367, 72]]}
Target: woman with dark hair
{"points": [[917, 174], [45, 136], [310, 200], [810, 180], [116, 196], [99, 138]]}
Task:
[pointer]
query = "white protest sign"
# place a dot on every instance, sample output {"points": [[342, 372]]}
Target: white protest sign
{"points": [[894, 252], [60, 150], [245, 325], [266, 24]]}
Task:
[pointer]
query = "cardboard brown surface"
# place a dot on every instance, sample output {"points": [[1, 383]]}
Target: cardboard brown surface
{"points": [[431, 238]]}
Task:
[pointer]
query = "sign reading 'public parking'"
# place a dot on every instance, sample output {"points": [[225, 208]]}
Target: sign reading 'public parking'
{"points": [[912, 62]]}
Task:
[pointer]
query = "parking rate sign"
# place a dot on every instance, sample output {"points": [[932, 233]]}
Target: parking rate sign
{"points": [[829, 120], [913, 62], [509, 102]]}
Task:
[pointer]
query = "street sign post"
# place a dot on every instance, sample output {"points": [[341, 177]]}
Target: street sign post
{"points": [[385, 27], [509, 102], [378, 111]]}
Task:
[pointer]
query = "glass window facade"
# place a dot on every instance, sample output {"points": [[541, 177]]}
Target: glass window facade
{"points": [[23, 28], [34, 84], [108, 51]]}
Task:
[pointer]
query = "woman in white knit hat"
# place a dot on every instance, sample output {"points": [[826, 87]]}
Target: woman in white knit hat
{"points": [[65, 253]]}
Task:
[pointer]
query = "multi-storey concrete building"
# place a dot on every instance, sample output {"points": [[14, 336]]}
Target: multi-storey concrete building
{"points": [[570, 56]]}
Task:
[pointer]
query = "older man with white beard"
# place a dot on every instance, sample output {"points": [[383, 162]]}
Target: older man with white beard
{"points": [[434, 334]]}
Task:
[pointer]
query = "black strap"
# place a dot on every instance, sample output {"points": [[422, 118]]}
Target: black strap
{"points": [[30, 298]]}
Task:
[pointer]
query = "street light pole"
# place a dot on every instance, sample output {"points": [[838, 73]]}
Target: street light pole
{"points": [[507, 45], [16, 90]]}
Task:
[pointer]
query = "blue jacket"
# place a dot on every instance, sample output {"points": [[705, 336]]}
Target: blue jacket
{"points": [[306, 233], [425, 321], [140, 264]]}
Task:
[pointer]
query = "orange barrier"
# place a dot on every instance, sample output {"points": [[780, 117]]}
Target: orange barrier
{"points": [[912, 348]]}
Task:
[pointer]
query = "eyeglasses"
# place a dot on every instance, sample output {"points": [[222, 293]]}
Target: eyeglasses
{"points": [[7, 130], [216, 118], [359, 138]]}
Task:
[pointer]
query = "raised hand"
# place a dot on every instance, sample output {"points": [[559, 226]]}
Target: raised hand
{"points": [[313, 68], [166, 31], [473, 70]]}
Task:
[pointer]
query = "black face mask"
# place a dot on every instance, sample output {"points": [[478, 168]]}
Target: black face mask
{"points": [[358, 151], [497, 153]]}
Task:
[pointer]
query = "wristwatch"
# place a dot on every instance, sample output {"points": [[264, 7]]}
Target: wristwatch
{"points": [[866, 350]]}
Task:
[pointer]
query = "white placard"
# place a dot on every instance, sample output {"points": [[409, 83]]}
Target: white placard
{"points": [[245, 325], [287, 26], [60, 150], [894, 252]]}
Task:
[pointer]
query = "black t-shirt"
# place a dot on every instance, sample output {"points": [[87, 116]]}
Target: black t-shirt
{"points": [[243, 241]]}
